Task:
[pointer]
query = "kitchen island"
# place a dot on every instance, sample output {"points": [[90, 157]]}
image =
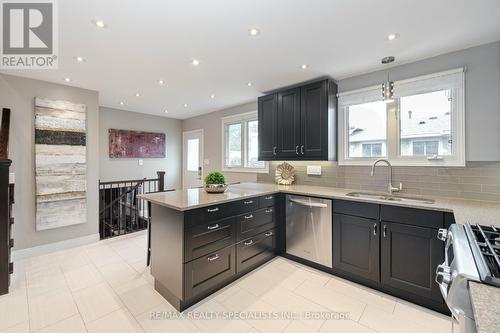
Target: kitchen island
{"points": [[180, 269]]}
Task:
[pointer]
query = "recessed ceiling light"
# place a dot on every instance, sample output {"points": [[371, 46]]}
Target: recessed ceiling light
{"points": [[185, 105], [137, 95], [304, 66], [100, 23], [253, 32], [161, 82], [67, 79], [195, 62], [249, 84], [392, 36], [212, 96], [121, 103], [79, 59]]}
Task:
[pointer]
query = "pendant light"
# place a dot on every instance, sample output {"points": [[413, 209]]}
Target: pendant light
{"points": [[388, 87]]}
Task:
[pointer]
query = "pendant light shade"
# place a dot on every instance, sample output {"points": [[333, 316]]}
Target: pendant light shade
{"points": [[388, 91]]}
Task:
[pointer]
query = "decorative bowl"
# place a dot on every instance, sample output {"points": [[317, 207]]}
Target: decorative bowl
{"points": [[285, 174], [215, 188]]}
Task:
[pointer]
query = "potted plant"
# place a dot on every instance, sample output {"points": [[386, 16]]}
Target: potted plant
{"points": [[215, 182]]}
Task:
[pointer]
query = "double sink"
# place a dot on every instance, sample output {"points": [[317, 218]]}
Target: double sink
{"points": [[387, 197]]}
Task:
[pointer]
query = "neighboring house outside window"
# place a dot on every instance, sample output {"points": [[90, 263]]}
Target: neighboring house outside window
{"points": [[372, 149]]}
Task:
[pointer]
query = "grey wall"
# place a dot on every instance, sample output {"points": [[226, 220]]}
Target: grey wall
{"points": [[18, 94], [129, 168], [211, 124], [482, 93]]}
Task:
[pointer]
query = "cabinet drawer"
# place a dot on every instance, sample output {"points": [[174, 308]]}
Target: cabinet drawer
{"points": [[267, 201], [247, 205], [361, 209], [204, 239], [412, 216], [254, 250], [253, 223], [208, 272], [208, 214]]}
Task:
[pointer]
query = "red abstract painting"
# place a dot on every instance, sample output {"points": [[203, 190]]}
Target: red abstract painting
{"points": [[133, 144]]}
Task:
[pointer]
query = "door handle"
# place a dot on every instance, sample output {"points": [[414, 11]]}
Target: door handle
{"points": [[212, 227], [274, 150], [216, 209], [214, 257], [385, 230], [297, 150], [302, 150], [267, 234], [269, 197], [309, 203], [247, 217], [247, 243], [374, 229], [248, 202]]}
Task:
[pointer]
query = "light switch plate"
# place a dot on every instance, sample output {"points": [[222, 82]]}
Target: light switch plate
{"points": [[314, 170], [206, 161], [141, 162]]}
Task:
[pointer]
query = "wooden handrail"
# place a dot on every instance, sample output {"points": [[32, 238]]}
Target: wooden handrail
{"points": [[4, 134]]}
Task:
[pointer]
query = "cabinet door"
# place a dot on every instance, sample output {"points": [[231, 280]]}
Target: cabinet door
{"points": [[356, 245], [409, 257], [268, 124], [314, 120], [289, 124]]}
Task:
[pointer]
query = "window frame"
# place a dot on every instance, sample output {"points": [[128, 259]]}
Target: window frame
{"points": [[243, 119], [455, 79]]}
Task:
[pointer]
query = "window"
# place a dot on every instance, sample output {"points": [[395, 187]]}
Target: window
{"points": [[193, 154], [423, 125], [241, 143]]}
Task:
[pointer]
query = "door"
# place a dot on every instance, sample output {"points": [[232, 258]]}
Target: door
{"points": [[356, 246], [192, 159], [267, 116], [409, 257], [289, 124], [314, 120]]}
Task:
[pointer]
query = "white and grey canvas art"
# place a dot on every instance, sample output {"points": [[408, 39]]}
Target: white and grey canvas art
{"points": [[60, 163]]}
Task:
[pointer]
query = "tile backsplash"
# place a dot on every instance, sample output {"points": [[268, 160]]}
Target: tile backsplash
{"points": [[478, 180]]}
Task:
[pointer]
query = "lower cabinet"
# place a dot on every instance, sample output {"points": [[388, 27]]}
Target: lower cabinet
{"points": [[356, 245], [251, 252], [409, 257], [207, 272]]}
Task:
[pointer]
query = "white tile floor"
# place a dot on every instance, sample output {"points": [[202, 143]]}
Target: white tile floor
{"points": [[105, 287]]}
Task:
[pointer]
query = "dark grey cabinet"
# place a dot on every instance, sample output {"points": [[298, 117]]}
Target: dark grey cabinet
{"points": [[409, 257], [356, 245], [299, 123], [268, 127]]}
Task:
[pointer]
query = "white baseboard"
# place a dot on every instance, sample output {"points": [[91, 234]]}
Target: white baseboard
{"points": [[53, 247]]}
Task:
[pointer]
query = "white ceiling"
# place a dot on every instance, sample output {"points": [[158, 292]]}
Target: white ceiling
{"points": [[149, 40]]}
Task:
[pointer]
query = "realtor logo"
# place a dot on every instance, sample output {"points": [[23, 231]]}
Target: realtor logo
{"points": [[29, 35]]}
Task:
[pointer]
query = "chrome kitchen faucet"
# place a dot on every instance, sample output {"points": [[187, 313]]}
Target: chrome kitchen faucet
{"points": [[391, 189]]}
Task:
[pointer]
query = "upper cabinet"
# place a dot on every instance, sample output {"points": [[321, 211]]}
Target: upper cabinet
{"points": [[299, 123]]}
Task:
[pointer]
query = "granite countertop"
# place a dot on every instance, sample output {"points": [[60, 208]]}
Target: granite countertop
{"points": [[485, 299]]}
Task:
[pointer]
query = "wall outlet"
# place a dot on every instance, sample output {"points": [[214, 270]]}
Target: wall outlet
{"points": [[314, 170], [141, 162]]}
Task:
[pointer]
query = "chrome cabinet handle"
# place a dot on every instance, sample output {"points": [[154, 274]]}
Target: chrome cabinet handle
{"points": [[269, 210], [213, 226], [248, 216], [374, 229], [213, 210], [269, 197], [247, 243], [248, 202], [214, 257], [267, 234], [274, 150], [302, 150], [297, 150], [385, 230]]}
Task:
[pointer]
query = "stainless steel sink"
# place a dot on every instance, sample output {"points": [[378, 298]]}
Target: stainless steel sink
{"points": [[387, 197]]}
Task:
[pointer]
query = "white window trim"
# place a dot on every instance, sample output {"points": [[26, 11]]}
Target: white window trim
{"points": [[369, 94], [239, 118]]}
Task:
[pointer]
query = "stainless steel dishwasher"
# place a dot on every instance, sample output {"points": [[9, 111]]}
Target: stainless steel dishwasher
{"points": [[309, 229]]}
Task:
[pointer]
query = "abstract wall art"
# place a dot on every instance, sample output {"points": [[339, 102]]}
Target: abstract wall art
{"points": [[134, 144], [60, 163]]}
